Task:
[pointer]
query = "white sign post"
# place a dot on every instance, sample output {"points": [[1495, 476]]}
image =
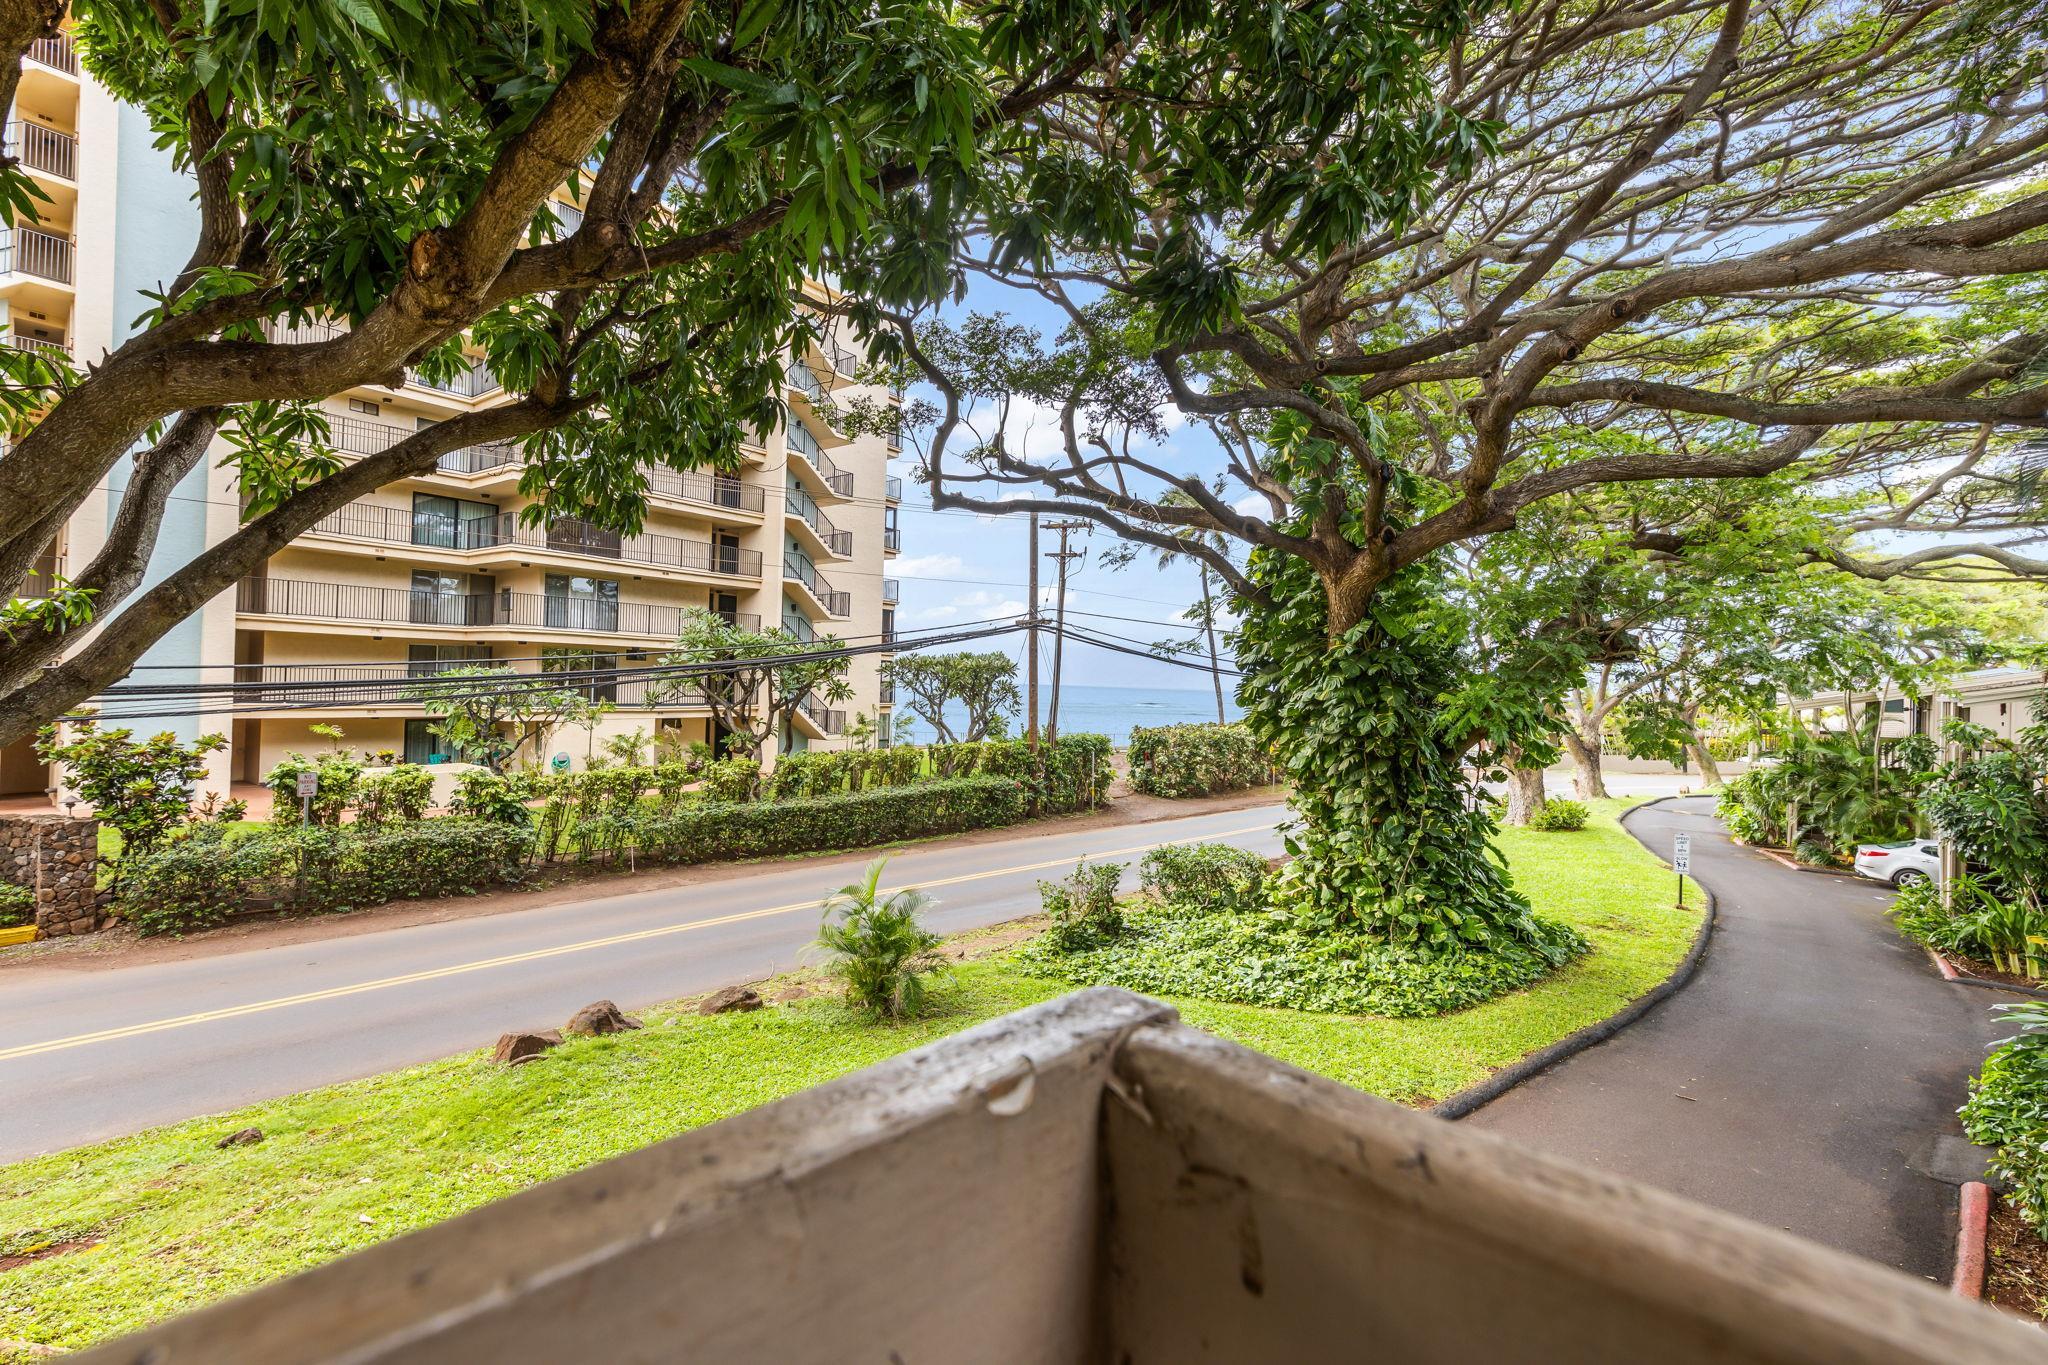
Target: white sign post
{"points": [[1681, 861], [309, 782]]}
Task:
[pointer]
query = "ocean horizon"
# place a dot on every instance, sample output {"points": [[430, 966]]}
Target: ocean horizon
{"points": [[1088, 708]]}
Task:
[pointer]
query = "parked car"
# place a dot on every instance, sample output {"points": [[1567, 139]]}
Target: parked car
{"points": [[1916, 860]]}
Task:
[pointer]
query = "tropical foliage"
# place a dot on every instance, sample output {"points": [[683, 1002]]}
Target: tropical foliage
{"points": [[141, 787], [876, 946], [1828, 791], [2008, 1111], [980, 688], [1196, 760]]}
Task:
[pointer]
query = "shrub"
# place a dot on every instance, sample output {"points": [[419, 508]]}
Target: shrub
{"points": [[1814, 853], [400, 793], [732, 779], [1559, 815], [878, 949], [17, 906], [1206, 876], [143, 788], [1196, 760], [337, 774], [485, 795], [199, 881], [2008, 1111], [1083, 907], [706, 831]]}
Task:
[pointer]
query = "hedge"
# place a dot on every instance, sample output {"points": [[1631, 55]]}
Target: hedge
{"points": [[757, 829], [1196, 760], [203, 879]]}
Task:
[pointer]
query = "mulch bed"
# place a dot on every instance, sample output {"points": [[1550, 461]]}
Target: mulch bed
{"points": [[1970, 966], [2016, 1264]]}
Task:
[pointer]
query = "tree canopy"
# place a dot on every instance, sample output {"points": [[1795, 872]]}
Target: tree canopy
{"points": [[982, 686]]}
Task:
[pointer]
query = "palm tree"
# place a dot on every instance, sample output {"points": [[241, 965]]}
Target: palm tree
{"points": [[877, 947]]}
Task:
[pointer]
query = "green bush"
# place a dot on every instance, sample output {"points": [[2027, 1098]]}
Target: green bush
{"points": [[201, 880], [1084, 907], [1196, 760], [400, 793], [1814, 852], [732, 779], [17, 906], [1559, 815], [1204, 876], [337, 774], [142, 788], [484, 795], [2008, 1111], [877, 947], [713, 830]]}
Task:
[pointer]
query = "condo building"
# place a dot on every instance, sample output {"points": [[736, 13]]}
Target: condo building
{"points": [[441, 570]]}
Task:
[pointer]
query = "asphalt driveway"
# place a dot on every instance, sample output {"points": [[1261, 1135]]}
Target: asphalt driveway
{"points": [[1806, 1078]]}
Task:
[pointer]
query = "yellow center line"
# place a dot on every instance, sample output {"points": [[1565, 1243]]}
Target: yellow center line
{"points": [[535, 955]]}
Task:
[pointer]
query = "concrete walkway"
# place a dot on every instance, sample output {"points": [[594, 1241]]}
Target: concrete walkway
{"points": [[1807, 1077]]}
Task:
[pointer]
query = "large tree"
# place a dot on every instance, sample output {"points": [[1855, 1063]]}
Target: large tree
{"points": [[982, 686], [753, 681], [393, 168], [1699, 240]]}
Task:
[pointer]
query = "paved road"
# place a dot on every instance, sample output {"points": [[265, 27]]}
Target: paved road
{"points": [[1801, 1080], [92, 1054]]}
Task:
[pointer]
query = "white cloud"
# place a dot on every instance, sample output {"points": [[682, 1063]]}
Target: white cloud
{"points": [[1252, 505], [926, 566], [978, 605]]}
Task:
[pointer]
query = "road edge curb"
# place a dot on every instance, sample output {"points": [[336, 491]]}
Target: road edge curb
{"points": [[1973, 1217], [1484, 1092], [1950, 972]]}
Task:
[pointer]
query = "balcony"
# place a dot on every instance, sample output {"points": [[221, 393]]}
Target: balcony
{"points": [[822, 721], [43, 149], [56, 352], [797, 569], [892, 489], [566, 535], [805, 381], [887, 696], [501, 610], [57, 53], [473, 380], [892, 591], [342, 687], [720, 491], [1091, 1180], [31, 251], [836, 482], [892, 540], [799, 506]]}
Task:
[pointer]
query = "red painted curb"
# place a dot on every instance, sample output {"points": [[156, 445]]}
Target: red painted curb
{"points": [[1975, 1212], [1944, 966]]}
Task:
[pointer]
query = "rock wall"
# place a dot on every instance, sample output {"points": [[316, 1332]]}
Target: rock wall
{"points": [[57, 858]]}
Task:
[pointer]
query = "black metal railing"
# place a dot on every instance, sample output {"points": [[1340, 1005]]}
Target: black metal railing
{"points": [[56, 53], [892, 538], [827, 720], [43, 149], [29, 251], [804, 506], [712, 490], [803, 571], [405, 684], [803, 443], [565, 535], [406, 606]]}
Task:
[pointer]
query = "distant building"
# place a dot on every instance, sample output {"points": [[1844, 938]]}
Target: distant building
{"points": [[436, 571], [2003, 700]]}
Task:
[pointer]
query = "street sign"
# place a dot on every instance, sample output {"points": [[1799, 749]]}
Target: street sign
{"points": [[1681, 853], [309, 783]]}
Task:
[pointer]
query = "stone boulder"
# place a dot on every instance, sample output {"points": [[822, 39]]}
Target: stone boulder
{"points": [[602, 1017], [241, 1137], [730, 999], [514, 1048]]}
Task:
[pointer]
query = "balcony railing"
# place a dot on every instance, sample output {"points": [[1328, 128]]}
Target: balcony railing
{"points": [[892, 590], [472, 381], [837, 541], [402, 684], [504, 608], [713, 490], [805, 381], [827, 721], [58, 352], [56, 53], [836, 603], [27, 251], [43, 149], [892, 488], [405, 526], [892, 538], [803, 443], [888, 694], [480, 459]]}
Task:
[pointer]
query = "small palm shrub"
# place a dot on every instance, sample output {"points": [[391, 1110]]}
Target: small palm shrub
{"points": [[877, 948], [1083, 907], [1559, 815], [2008, 1111]]}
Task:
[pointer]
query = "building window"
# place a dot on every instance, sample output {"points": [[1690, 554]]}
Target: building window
{"points": [[452, 523], [426, 660], [575, 602], [365, 406], [555, 659], [422, 745]]}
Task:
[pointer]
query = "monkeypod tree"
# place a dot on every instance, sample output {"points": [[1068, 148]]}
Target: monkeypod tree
{"points": [[377, 188], [764, 677], [1710, 242], [983, 686]]}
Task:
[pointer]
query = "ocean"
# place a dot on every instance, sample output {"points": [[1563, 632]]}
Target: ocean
{"points": [[1110, 711]]}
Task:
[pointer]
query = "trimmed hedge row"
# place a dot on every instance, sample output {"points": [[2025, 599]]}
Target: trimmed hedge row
{"points": [[1196, 760], [756, 829]]}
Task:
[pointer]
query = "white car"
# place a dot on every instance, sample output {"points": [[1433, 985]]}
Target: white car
{"points": [[1907, 864]]}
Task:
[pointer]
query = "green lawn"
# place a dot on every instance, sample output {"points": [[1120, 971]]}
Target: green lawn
{"points": [[181, 1223]]}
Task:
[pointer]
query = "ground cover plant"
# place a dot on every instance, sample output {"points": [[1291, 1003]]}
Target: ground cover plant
{"points": [[171, 1222]]}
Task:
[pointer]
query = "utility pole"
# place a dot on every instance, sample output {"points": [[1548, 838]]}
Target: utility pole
{"points": [[1031, 644], [1062, 556]]}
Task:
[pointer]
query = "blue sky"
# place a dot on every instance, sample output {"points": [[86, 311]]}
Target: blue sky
{"points": [[959, 567]]}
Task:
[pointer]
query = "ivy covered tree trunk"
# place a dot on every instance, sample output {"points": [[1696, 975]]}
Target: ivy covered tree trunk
{"points": [[1391, 839], [1587, 779], [1525, 791]]}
